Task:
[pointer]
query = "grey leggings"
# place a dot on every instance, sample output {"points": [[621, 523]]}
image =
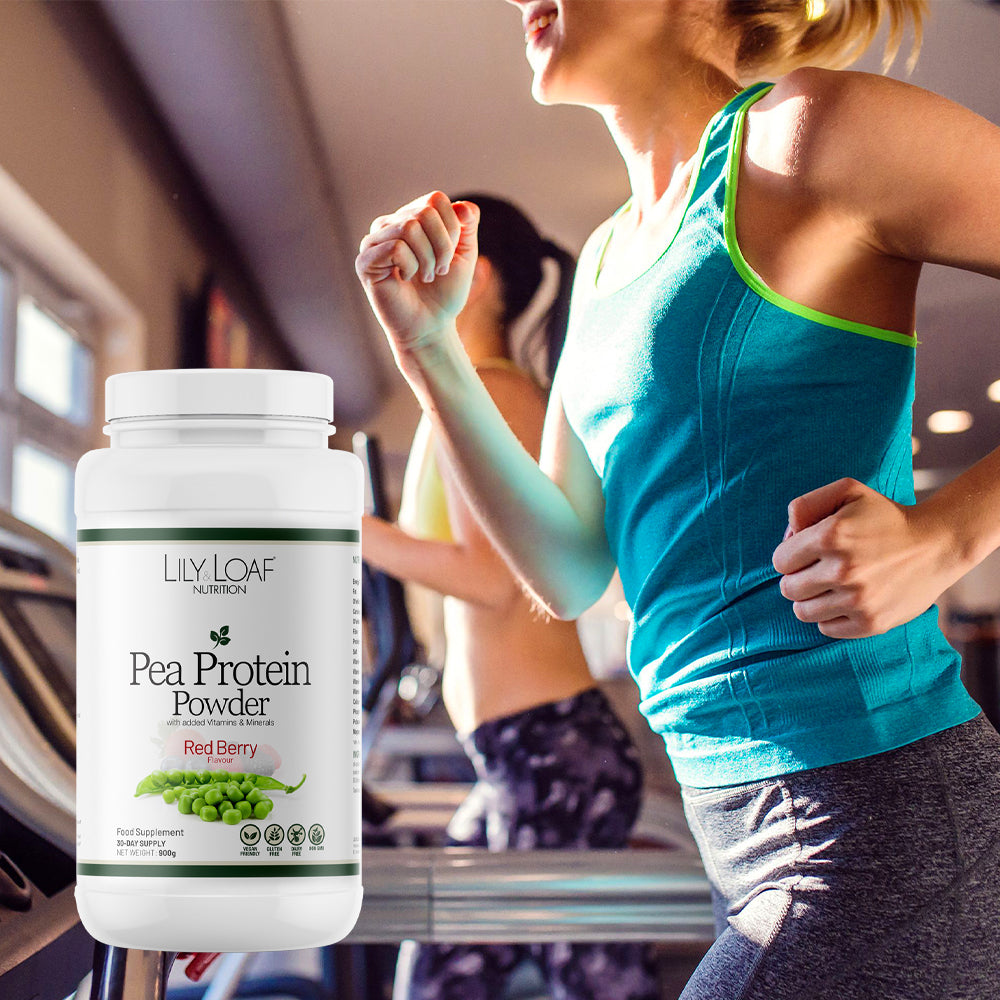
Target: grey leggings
{"points": [[877, 879]]}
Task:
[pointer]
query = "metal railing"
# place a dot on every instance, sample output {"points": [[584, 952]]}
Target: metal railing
{"points": [[461, 895]]}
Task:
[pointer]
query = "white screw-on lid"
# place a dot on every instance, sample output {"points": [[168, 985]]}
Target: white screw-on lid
{"points": [[219, 392]]}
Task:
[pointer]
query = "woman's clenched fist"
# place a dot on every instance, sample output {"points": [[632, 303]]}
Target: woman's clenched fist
{"points": [[416, 266]]}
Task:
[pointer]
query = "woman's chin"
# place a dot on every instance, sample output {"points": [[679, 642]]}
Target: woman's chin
{"points": [[547, 90], [541, 93]]}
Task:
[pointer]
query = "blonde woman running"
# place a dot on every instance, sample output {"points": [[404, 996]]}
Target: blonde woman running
{"points": [[730, 425]]}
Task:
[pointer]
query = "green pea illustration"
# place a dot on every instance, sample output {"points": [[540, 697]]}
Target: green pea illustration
{"points": [[231, 796]]}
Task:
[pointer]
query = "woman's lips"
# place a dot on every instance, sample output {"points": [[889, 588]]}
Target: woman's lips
{"points": [[537, 24]]}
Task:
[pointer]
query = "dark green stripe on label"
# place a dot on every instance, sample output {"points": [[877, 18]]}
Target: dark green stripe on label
{"points": [[218, 535], [248, 870]]}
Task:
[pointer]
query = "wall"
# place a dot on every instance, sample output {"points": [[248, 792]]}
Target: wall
{"points": [[77, 138], [61, 145]]}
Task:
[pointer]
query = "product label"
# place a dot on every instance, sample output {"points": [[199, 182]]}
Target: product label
{"points": [[219, 702]]}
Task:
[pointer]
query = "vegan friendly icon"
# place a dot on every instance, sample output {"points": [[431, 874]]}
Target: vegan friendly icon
{"points": [[250, 834]]}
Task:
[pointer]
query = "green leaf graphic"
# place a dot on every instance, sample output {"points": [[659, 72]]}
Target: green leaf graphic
{"points": [[220, 638]]}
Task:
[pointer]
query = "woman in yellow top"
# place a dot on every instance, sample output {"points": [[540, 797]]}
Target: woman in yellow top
{"points": [[555, 767]]}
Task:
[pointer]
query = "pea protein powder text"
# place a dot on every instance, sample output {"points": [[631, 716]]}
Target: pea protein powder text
{"points": [[218, 647]]}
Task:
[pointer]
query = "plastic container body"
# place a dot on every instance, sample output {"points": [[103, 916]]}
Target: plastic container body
{"points": [[218, 639]]}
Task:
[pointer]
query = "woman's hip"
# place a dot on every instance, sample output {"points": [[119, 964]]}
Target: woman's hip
{"points": [[891, 830]]}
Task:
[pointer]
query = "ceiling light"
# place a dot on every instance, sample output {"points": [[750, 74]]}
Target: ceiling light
{"points": [[949, 421], [915, 444], [994, 391]]}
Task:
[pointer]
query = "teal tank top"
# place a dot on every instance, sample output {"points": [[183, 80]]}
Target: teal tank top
{"points": [[706, 402]]}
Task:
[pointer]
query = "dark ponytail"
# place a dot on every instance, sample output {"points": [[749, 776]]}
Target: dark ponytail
{"points": [[557, 316], [515, 248]]}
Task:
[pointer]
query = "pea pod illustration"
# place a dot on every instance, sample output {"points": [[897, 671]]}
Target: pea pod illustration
{"points": [[154, 782], [272, 784]]}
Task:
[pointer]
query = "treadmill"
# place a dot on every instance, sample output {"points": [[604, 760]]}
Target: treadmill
{"points": [[44, 950]]}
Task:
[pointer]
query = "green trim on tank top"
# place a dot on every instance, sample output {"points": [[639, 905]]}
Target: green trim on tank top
{"points": [[754, 280], [692, 187]]}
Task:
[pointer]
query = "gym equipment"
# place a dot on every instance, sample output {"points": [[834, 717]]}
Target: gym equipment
{"points": [[44, 951], [438, 895], [382, 600]]}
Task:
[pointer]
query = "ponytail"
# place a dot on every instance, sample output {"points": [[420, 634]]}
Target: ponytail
{"points": [[777, 36], [557, 315], [511, 243]]}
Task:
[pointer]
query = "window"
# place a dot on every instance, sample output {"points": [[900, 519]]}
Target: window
{"points": [[46, 397], [43, 490], [50, 365]]}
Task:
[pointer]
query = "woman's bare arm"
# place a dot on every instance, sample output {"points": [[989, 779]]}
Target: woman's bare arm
{"points": [[416, 266], [920, 176], [470, 572], [468, 567]]}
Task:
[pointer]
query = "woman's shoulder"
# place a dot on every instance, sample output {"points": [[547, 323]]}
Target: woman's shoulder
{"points": [[820, 128], [814, 91]]}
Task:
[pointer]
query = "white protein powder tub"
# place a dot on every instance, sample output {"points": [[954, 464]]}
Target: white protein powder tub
{"points": [[219, 670]]}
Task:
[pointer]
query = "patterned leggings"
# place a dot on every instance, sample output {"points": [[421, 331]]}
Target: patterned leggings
{"points": [[560, 775]]}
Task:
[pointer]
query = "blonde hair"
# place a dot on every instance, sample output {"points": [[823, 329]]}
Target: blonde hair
{"points": [[777, 36]]}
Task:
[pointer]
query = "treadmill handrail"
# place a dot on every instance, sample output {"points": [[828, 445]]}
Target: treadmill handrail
{"points": [[383, 603], [454, 895], [37, 812], [27, 752]]}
